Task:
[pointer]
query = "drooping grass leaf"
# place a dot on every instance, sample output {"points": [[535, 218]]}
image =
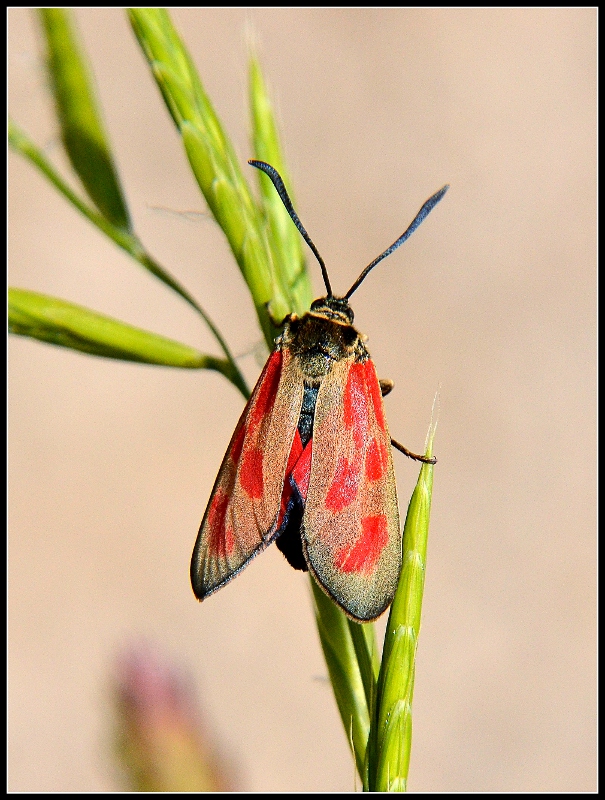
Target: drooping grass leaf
{"points": [[68, 325]]}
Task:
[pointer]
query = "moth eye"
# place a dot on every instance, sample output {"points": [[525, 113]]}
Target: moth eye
{"points": [[350, 336]]}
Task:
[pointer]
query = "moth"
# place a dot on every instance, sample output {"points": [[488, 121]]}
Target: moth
{"points": [[309, 465]]}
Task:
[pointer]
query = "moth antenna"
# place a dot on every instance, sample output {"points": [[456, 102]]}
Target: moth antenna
{"points": [[420, 217], [281, 191]]}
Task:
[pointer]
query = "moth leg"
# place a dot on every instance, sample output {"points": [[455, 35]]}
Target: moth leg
{"points": [[386, 386], [409, 453]]}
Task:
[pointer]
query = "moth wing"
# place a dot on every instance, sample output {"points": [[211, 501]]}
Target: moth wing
{"points": [[241, 516], [350, 531]]}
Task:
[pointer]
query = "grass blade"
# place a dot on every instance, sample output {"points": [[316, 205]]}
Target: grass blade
{"points": [[391, 736], [68, 325], [129, 242], [214, 164], [284, 240], [345, 676], [82, 129], [363, 637]]}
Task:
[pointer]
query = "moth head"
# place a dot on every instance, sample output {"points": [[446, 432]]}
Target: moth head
{"points": [[336, 308]]}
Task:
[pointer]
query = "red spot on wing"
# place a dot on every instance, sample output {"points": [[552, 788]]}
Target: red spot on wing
{"points": [[267, 391], [355, 402], [363, 556], [238, 443], [376, 460], [220, 542], [343, 489], [251, 473], [229, 541], [295, 454], [374, 387], [302, 471]]}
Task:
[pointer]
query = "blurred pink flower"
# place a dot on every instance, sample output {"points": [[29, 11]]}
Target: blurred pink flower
{"points": [[160, 740]]}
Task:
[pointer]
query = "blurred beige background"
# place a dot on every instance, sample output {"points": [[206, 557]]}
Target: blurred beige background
{"points": [[492, 300]]}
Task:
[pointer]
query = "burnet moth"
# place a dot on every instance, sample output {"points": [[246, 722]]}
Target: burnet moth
{"points": [[309, 465]]}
